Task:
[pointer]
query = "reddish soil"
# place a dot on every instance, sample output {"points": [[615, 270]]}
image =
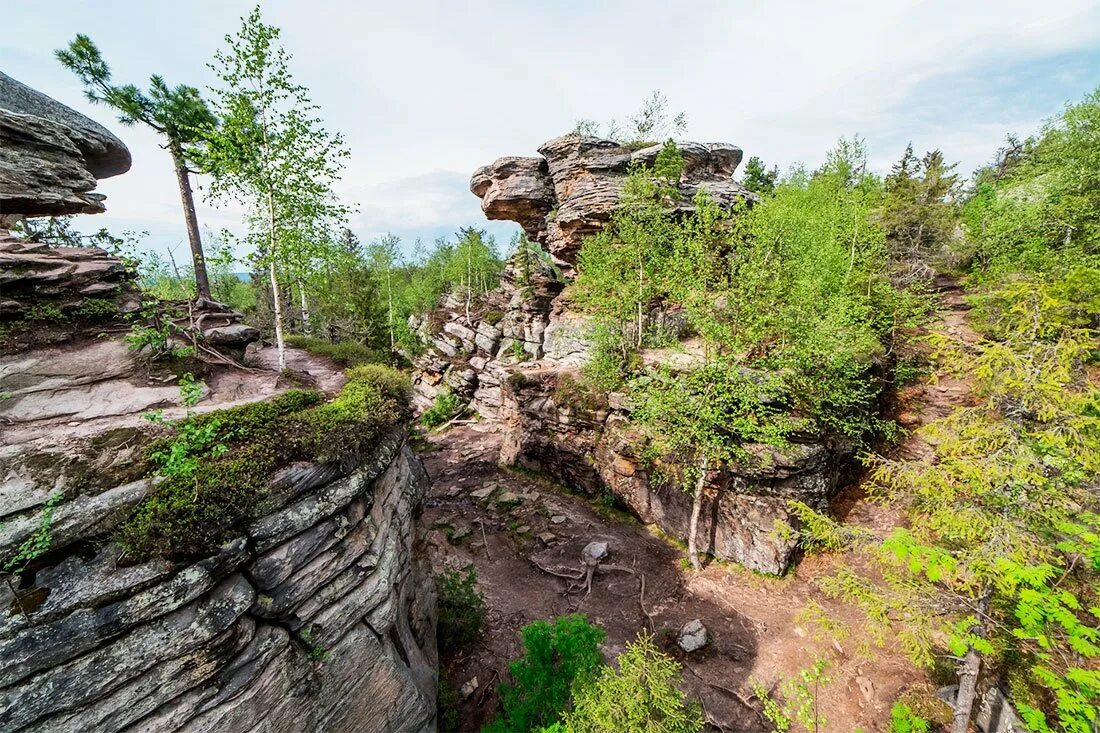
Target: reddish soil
{"points": [[759, 626], [753, 621]]}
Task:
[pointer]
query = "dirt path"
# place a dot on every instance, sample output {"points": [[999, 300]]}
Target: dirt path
{"points": [[516, 530]]}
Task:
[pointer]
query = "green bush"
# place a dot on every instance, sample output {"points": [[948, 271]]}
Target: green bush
{"points": [[217, 467], [903, 719], [345, 353], [443, 409], [642, 696], [557, 656], [461, 611]]}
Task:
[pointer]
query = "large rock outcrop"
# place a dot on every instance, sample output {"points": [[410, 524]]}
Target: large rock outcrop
{"points": [[515, 360], [51, 155], [318, 614], [570, 192], [320, 617]]}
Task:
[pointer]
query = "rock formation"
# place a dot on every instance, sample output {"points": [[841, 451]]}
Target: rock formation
{"points": [[570, 192], [516, 361], [51, 155], [318, 615]]}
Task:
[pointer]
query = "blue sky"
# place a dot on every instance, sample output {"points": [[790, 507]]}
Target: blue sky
{"points": [[426, 92]]}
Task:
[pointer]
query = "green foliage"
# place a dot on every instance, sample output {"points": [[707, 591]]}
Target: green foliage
{"points": [[918, 212], [652, 121], [461, 611], [641, 696], [155, 334], [217, 467], [445, 407], [38, 543], [758, 179], [903, 719], [272, 154], [797, 701], [795, 285], [557, 656], [998, 560], [345, 353], [177, 113]]}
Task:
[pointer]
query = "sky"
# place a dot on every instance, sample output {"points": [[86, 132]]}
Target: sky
{"points": [[425, 92]]}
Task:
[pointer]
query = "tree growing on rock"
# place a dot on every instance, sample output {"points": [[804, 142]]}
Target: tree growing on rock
{"points": [[272, 154], [758, 178], [652, 122], [179, 114]]}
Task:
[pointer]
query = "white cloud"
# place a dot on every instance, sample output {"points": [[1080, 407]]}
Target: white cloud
{"points": [[425, 92]]}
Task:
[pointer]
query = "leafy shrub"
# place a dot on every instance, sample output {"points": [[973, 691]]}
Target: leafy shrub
{"points": [[461, 611], [217, 467], [903, 719], [443, 409], [642, 695], [558, 655]]}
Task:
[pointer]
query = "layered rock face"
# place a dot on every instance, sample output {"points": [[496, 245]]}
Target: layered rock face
{"points": [[319, 618], [51, 155], [525, 377]]}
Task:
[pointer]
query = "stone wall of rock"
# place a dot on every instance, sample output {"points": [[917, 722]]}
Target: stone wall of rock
{"points": [[592, 445], [559, 198], [319, 618]]}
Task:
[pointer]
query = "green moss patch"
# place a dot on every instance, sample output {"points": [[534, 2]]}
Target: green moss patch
{"points": [[216, 469]]}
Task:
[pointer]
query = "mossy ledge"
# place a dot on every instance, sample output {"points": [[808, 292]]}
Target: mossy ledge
{"points": [[215, 473]]}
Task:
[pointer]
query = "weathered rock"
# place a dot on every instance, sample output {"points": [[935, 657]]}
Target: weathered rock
{"points": [[571, 191], [208, 648], [692, 636], [51, 155], [235, 336], [595, 551]]}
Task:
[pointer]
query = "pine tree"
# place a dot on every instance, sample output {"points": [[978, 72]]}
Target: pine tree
{"points": [[177, 113]]}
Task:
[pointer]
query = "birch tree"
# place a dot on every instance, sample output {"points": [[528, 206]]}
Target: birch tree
{"points": [[272, 153]]}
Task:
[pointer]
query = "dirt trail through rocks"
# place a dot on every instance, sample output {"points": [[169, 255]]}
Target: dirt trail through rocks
{"points": [[525, 535]]}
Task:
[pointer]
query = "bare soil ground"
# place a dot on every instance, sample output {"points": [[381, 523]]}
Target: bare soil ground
{"points": [[533, 528]]}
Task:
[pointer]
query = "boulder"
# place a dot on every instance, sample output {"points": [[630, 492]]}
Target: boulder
{"points": [[233, 336], [692, 636]]}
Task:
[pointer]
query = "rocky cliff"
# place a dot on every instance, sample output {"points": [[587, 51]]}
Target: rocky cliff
{"points": [[313, 612], [516, 360]]}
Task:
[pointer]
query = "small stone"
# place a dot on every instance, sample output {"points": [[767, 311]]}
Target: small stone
{"points": [[459, 534], [509, 497], [468, 687], [454, 491], [523, 529], [593, 552], [547, 538], [557, 519], [482, 494], [692, 636]]}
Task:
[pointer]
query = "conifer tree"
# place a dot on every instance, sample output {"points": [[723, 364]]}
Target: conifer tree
{"points": [[177, 113]]}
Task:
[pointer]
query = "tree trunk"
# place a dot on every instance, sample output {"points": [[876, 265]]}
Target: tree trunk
{"points": [[304, 307], [202, 283], [389, 314], [696, 508], [968, 671], [276, 298]]}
